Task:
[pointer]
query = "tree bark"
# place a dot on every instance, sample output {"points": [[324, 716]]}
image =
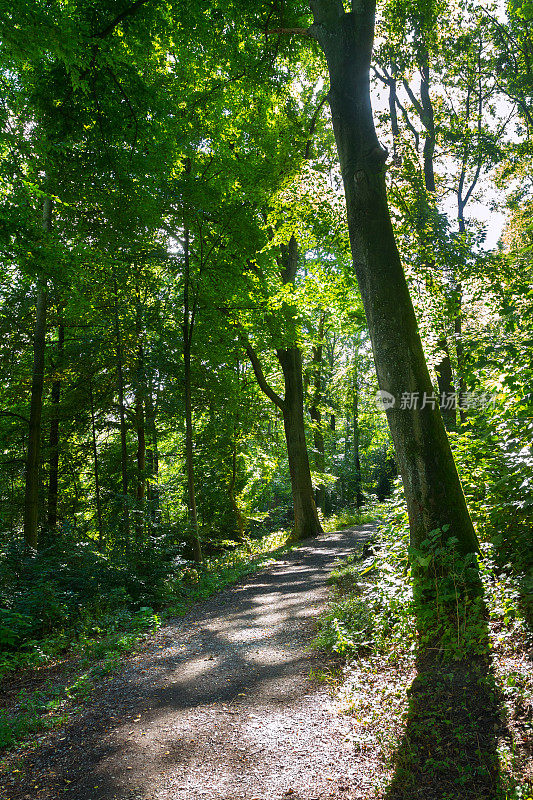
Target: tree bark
{"points": [[96, 474], [31, 495], [239, 519], [152, 454], [53, 442], [355, 409], [188, 328], [443, 368], [316, 414], [433, 491], [306, 522], [123, 435]]}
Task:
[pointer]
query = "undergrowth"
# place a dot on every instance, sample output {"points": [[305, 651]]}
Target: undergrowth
{"points": [[97, 643], [438, 681]]}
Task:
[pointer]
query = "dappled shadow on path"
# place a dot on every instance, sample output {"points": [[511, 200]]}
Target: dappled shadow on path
{"points": [[190, 715]]}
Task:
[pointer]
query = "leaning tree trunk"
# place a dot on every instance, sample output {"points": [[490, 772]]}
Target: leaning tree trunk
{"points": [[433, 491], [31, 495]]}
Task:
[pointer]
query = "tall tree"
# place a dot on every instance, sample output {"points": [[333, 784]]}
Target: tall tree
{"points": [[31, 498], [306, 522], [433, 491]]}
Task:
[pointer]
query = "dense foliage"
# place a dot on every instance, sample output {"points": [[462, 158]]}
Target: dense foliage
{"points": [[178, 295]]}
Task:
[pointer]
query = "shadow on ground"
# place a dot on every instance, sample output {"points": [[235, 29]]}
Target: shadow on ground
{"points": [[449, 747], [218, 705]]}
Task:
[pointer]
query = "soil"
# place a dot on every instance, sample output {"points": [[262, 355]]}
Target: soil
{"points": [[219, 704]]}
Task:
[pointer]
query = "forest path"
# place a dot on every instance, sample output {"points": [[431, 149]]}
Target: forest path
{"points": [[218, 705]]}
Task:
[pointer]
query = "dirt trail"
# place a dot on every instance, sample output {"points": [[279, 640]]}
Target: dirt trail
{"points": [[219, 704]]}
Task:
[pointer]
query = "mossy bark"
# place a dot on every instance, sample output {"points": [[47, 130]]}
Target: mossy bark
{"points": [[432, 488]]}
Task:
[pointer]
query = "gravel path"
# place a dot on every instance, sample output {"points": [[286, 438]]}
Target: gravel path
{"points": [[218, 705]]}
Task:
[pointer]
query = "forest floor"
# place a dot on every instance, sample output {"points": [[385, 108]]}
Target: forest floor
{"points": [[219, 703]]}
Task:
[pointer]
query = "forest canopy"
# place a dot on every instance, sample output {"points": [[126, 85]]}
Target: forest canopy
{"points": [[225, 231]]}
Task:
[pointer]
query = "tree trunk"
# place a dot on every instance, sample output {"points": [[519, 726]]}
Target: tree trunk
{"points": [[53, 442], [443, 368], [123, 436], [96, 475], [316, 414], [458, 327], [31, 495], [152, 454], [239, 519], [141, 440], [306, 522], [433, 491], [355, 409], [188, 327]]}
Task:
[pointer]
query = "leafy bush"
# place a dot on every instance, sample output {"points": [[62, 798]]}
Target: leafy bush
{"points": [[346, 628]]}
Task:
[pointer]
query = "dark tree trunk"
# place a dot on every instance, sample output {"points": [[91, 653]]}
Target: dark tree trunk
{"points": [[96, 473], [53, 442], [306, 522], [433, 491], [31, 495], [123, 435], [140, 391], [188, 328], [355, 409], [239, 519], [316, 414], [152, 454]]}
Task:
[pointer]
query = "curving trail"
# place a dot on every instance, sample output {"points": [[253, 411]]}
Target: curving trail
{"points": [[218, 705]]}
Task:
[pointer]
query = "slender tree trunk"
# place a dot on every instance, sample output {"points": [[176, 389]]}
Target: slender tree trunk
{"points": [[96, 473], [458, 327], [31, 496], [152, 454], [239, 519], [443, 368], [433, 491], [53, 442], [188, 327], [316, 414], [141, 441], [355, 409], [123, 435]]}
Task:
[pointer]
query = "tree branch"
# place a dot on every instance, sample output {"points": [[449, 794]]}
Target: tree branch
{"points": [[312, 127], [128, 12], [13, 414], [290, 32], [260, 376]]}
